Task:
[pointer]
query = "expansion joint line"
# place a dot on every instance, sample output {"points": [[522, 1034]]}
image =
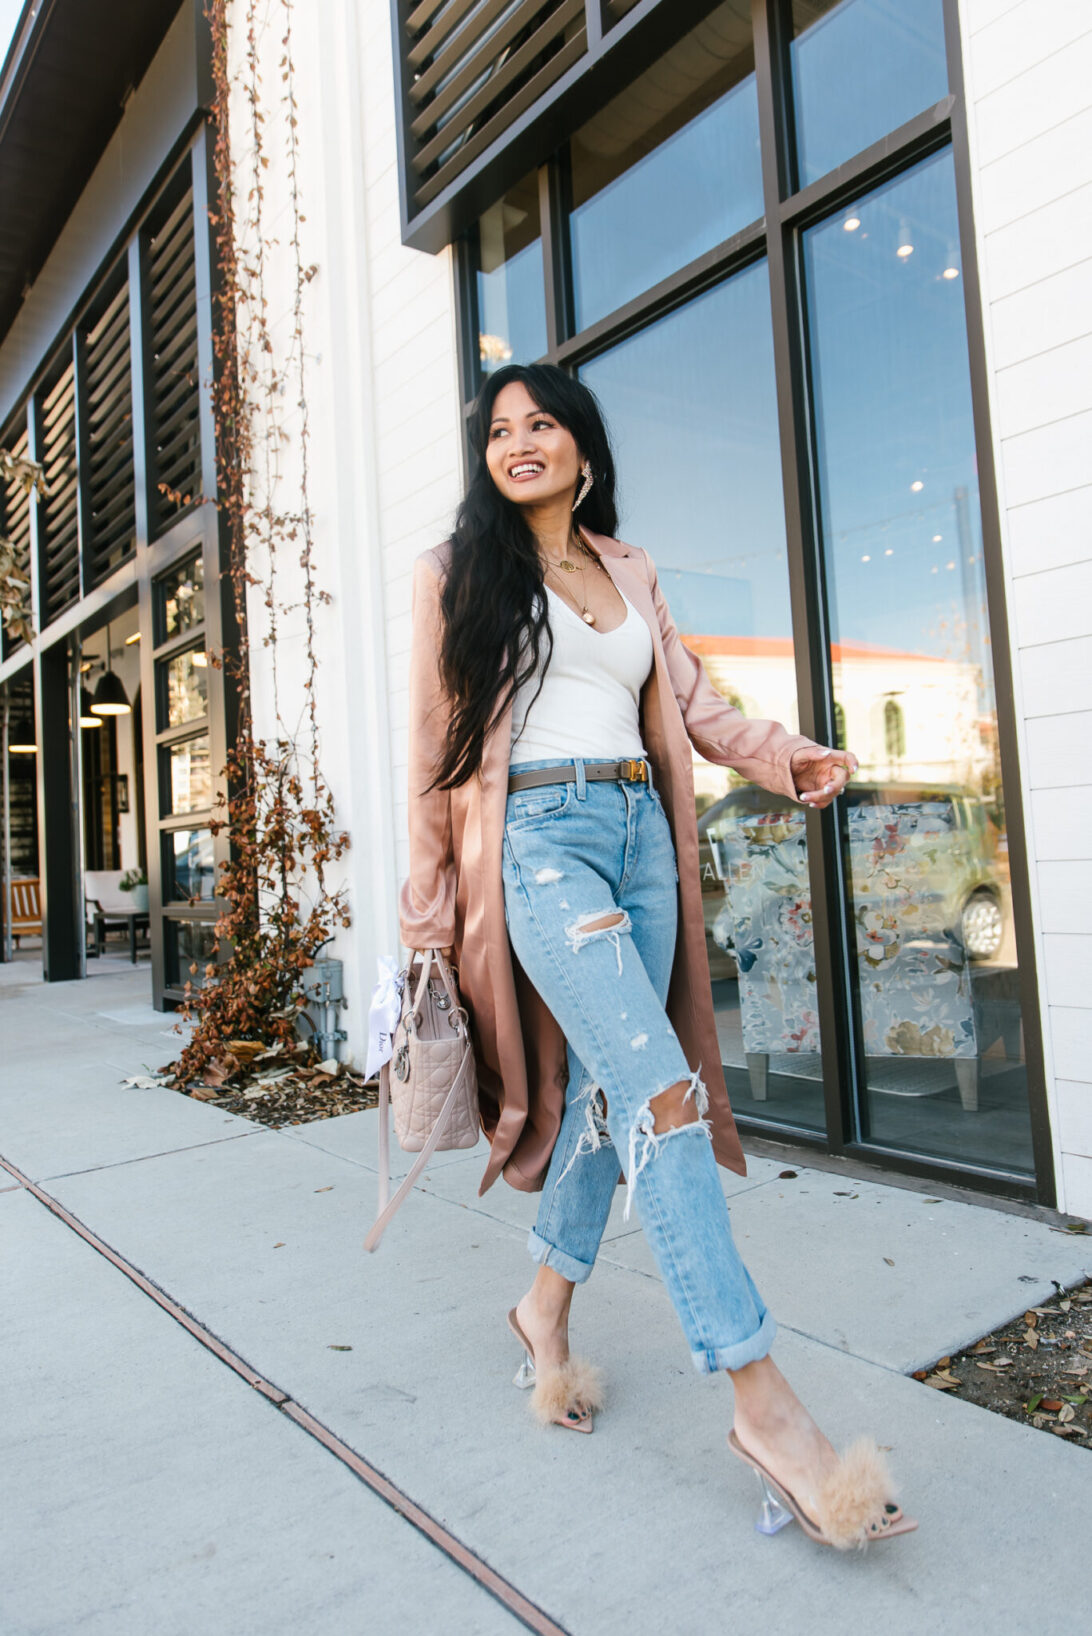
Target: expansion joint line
{"points": [[520, 1606]]}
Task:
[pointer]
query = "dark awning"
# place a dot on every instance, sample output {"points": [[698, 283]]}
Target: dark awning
{"points": [[64, 82]]}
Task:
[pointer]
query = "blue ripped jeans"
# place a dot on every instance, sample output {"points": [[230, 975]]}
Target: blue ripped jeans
{"points": [[576, 853]]}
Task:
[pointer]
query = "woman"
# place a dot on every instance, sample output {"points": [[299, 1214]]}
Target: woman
{"points": [[553, 856]]}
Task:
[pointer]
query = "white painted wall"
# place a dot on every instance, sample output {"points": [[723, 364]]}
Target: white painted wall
{"points": [[383, 397], [1028, 70]]}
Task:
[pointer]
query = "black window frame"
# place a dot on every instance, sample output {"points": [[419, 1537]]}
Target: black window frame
{"points": [[778, 238]]}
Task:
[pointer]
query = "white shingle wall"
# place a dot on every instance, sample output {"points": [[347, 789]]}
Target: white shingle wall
{"points": [[1028, 72]]}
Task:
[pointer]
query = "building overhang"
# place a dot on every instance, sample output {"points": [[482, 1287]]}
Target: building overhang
{"points": [[67, 76]]}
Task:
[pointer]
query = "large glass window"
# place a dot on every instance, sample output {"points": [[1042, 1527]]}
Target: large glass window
{"points": [[869, 412], [187, 687], [669, 168], [692, 408], [180, 600], [925, 824], [511, 294], [191, 866], [188, 780], [860, 69]]}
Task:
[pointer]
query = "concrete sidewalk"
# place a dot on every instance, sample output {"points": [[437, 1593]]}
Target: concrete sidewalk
{"points": [[148, 1489]]}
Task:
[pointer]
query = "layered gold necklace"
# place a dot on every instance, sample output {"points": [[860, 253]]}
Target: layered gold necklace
{"points": [[567, 566]]}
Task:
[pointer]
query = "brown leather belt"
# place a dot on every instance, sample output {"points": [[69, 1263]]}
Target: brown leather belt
{"points": [[635, 772]]}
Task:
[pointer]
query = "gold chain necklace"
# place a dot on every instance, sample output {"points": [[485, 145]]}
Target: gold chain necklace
{"points": [[570, 568]]}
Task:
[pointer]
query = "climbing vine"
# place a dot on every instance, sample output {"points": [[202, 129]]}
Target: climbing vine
{"points": [[279, 903], [27, 475]]}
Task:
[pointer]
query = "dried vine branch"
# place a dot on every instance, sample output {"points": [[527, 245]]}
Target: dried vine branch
{"points": [[29, 476], [279, 906]]}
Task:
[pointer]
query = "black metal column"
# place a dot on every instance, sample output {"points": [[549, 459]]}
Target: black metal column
{"points": [[62, 912]]}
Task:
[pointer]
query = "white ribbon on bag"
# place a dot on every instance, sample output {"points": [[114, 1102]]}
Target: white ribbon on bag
{"points": [[383, 1015]]}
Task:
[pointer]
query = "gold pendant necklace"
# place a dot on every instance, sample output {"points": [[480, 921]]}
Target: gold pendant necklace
{"points": [[570, 567]]}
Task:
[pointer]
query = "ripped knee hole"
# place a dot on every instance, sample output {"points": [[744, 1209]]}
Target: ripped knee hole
{"points": [[674, 1107]]}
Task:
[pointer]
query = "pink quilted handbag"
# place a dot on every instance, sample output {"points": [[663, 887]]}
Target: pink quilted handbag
{"points": [[430, 1080]]}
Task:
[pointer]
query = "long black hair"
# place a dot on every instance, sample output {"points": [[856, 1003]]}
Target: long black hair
{"points": [[495, 624]]}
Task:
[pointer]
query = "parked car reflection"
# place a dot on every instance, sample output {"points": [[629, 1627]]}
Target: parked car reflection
{"points": [[971, 878]]}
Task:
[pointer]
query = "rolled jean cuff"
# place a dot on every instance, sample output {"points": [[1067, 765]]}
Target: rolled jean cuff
{"points": [[547, 1255], [711, 1360]]}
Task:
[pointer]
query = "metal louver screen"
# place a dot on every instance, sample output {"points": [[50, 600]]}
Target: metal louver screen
{"points": [[15, 513], [473, 66], [57, 511], [108, 439], [172, 299]]}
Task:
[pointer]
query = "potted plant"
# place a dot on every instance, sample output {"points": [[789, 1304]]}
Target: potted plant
{"points": [[136, 882]]}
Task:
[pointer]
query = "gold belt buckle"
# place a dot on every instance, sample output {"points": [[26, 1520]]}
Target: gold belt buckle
{"points": [[635, 770]]}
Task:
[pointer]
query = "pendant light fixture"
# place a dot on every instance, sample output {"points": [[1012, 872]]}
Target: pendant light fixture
{"points": [[21, 740], [110, 698], [86, 718]]}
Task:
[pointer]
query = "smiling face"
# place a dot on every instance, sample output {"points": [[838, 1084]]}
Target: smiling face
{"points": [[531, 457]]}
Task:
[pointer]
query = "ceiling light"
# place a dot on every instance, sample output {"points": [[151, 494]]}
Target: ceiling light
{"points": [[21, 738], [110, 696], [906, 247], [950, 272], [851, 223], [917, 486], [129, 640], [905, 250], [86, 718], [889, 552], [937, 538], [866, 558]]}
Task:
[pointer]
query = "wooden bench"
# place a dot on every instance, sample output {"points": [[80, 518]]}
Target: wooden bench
{"points": [[26, 909]]}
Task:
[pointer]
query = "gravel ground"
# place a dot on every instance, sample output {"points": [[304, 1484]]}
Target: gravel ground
{"points": [[1038, 1369]]}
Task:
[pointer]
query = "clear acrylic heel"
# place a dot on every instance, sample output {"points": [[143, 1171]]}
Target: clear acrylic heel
{"points": [[524, 1376], [772, 1516]]}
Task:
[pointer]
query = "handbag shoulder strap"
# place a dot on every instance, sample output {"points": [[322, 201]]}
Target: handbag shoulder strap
{"points": [[387, 1209]]}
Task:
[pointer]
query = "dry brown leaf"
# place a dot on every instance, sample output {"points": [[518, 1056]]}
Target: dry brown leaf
{"points": [[1031, 1339], [941, 1384], [204, 1093], [1066, 1413], [943, 1363]]}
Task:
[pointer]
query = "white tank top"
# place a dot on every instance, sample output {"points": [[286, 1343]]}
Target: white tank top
{"points": [[588, 705]]}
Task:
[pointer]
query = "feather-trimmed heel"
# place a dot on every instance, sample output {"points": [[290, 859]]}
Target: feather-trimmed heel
{"points": [[854, 1505], [566, 1396]]}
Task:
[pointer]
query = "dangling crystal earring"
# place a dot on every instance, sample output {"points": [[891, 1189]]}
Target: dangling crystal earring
{"points": [[588, 481]]}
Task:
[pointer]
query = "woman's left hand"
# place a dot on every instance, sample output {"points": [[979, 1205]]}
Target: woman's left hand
{"points": [[821, 775]]}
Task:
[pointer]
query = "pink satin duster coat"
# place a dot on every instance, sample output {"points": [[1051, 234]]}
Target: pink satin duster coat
{"points": [[455, 895]]}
